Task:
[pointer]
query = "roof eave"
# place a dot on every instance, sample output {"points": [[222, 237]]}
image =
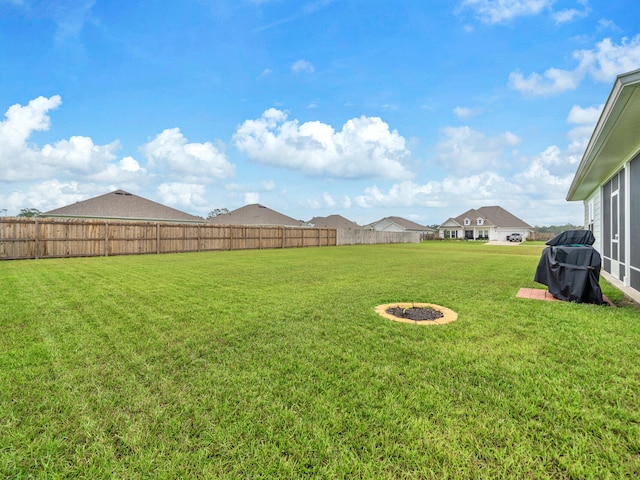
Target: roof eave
{"points": [[586, 179], [120, 218]]}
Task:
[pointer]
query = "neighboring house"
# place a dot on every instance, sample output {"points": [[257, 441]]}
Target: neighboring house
{"points": [[256, 214], [399, 224], [485, 223], [121, 205], [607, 181], [334, 221]]}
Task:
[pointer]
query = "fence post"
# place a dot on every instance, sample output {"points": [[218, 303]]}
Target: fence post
{"points": [[36, 253], [106, 238]]}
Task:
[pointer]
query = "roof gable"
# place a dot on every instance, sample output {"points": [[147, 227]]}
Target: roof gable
{"points": [[403, 223], [494, 216], [450, 222], [123, 206], [256, 214], [334, 221]]}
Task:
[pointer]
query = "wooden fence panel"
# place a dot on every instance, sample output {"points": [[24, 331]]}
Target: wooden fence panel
{"points": [[215, 238], [17, 239], [50, 237], [369, 237], [128, 238]]}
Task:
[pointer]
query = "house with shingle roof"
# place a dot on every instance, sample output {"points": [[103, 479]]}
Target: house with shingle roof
{"points": [[256, 214], [334, 221], [121, 205], [485, 223], [399, 224]]}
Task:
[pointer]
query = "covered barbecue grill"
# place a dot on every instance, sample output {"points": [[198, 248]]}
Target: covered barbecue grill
{"points": [[570, 268]]}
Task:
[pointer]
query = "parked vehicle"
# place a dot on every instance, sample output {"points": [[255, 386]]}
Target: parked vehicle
{"points": [[514, 237]]}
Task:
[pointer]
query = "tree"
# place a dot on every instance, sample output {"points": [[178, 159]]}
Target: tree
{"points": [[217, 211], [29, 212]]}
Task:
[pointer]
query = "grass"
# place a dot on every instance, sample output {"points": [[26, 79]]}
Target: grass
{"points": [[273, 364]]}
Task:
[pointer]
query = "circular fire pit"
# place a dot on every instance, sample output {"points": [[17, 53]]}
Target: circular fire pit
{"points": [[418, 313]]}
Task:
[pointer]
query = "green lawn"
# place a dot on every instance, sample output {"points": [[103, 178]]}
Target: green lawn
{"points": [[273, 364]]}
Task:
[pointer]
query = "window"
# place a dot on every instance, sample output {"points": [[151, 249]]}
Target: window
{"points": [[591, 215], [480, 221], [467, 221]]}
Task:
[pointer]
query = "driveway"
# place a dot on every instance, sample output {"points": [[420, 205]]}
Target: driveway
{"points": [[503, 242]]}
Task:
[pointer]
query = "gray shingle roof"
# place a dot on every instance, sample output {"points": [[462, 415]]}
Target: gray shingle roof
{"points": [[493, 216], [334, 221], [408, 224], [404, 223], [256, 214], [122, 205]]}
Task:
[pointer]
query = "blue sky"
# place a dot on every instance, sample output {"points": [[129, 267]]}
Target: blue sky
{"points": [[420, 109]]}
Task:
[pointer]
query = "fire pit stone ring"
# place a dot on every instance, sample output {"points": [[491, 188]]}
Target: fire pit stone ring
{"points": [[448, 315]]}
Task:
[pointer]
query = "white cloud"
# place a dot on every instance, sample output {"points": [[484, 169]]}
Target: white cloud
{"points": [[177, 194], [503, 11], [464, 150], [465, 112], [79, 154], [302, 66], [22, 160], [551, 81], [548, 175], [585, 120], [70, 18], [197, 161], [536, 194], [46, 196], [251, 198], [126, 170], [584, 116], [20, 122], [404, 194], [268, 185], [328, 200], [602, 64], [481, 189], [364, 148], [571, 14], [604, 24], [608, 60]]}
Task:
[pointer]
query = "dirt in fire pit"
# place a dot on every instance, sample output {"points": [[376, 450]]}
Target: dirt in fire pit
{"points": [[415, 313]]}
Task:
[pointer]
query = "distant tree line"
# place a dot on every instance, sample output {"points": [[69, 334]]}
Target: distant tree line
{"points": [[555, 229]]}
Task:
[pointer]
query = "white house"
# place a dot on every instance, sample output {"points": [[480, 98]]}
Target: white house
{"points": [[608, 183], [485, 223], [398, 224]]}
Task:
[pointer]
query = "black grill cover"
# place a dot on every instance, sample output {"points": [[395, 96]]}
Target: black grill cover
{"points": [[573, 238], [570, 268]]}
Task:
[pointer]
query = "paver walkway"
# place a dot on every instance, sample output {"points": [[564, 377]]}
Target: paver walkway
{"points": [[539, 294]]}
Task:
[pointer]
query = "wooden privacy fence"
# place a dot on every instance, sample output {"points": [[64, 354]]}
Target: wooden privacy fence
{"points": [[54, 238], [370, 237]]}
